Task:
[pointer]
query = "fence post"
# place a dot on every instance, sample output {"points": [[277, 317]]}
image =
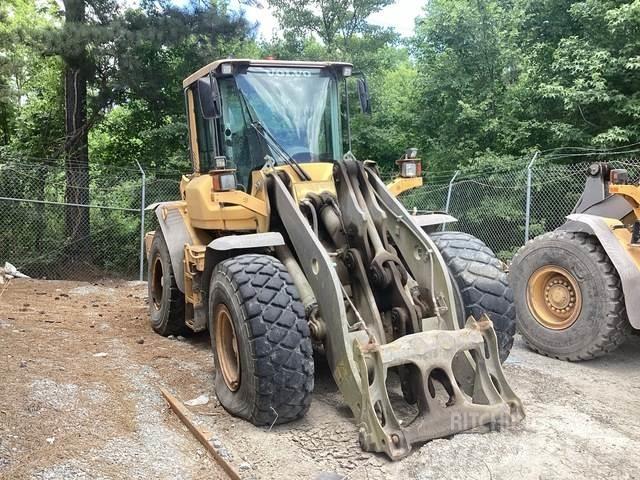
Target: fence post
{"points": [[527, 213], [142, 207], [446, 207]]}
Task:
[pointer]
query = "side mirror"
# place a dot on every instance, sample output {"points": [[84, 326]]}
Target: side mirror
{"points": [[363, 96], [209, 97]]}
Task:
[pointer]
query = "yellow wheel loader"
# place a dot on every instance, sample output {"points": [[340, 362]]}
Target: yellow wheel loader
{"points": [[577, 288], [281, 245]]}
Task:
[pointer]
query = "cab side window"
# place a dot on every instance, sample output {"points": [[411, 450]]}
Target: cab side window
{"points": [[206, 137]]}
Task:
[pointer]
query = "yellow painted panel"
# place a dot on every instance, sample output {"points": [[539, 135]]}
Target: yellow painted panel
{"points": [[401, 184], [222, 210]]}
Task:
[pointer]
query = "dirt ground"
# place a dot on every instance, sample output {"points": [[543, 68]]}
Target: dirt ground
{"points": [[79, 399]]}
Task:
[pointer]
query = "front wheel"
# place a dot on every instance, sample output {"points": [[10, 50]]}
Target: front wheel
{"points": [[481, 283], [568, 296], [261, 341]]}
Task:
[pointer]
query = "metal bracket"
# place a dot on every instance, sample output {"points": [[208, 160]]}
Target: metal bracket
{"points": [[492, 403]]}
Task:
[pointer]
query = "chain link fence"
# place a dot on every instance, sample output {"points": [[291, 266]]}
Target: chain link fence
{"points": [[508, 207], [45, 235]]}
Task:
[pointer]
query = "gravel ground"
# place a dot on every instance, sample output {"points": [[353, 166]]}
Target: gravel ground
{"points": [[79, 399]]}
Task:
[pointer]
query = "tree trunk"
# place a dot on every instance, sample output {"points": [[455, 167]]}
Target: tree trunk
{"points": [[77, 229]]}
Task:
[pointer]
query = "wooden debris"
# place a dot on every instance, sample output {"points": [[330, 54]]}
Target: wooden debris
{"points": [[201, 435]]}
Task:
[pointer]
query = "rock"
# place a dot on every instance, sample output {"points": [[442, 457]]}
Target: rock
{"points": [[181, 338], [140, 341], [171, 337], [216, 443], [328, 476], [201, 400], [224, 453], [100, 354], [23, 363], [50, 440], [244, 466]]}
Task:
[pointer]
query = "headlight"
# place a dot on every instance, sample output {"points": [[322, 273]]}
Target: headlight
{"points": [[221, 162], [410, 169]]}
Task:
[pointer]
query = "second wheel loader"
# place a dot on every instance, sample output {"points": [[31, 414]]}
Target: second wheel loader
{"points": [[577, 288], [281, 245]]}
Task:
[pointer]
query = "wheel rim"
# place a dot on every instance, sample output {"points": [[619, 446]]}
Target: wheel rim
{"points": [[157, 283], [227, 348], [554, 297]]}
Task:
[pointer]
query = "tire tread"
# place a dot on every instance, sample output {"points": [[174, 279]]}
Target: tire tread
{"points": [[279, 337], [482, 282], [616, 327], [174, 323]]}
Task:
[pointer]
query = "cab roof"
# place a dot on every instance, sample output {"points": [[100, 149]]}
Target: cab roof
{"points": [[213, 66]]}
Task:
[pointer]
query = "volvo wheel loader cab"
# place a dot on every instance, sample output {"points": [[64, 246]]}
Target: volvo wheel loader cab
{"points": [[281, 243], [576, 288]]}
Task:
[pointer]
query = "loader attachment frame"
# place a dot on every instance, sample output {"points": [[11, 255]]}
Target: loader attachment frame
{"points": [[394, 309]]}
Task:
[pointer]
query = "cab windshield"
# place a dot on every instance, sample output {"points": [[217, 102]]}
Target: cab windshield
{"points": [[298, 107]]}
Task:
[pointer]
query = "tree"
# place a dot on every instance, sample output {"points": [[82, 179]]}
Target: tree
{"points": [[468, 69], [126, 56], [595, 72], [76, 145], [499, 78], [334, 22]]}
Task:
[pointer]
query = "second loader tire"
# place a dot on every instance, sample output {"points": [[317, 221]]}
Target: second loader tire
{"points": [[594, 322], [481, 282], [166, 301], [261, 341]]}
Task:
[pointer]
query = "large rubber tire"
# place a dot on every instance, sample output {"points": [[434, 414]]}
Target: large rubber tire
{"points": [[602, 323], [481, 283], [273, 340], [166, 301]]}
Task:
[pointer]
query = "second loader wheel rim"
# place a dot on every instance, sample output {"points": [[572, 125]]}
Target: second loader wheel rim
{"points": [[554, 297], [227, 348], [157, 281]]}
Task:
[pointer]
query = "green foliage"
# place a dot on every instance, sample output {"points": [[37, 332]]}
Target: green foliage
{"points": [[134, 59], [479, 87], [337, 23], [503, 77], [392, 127]]}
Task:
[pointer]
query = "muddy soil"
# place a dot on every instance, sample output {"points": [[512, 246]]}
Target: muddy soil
{"points": [[79, 399]]}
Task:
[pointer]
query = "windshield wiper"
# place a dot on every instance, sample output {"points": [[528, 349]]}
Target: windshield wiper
{"points": [[264, 133]]}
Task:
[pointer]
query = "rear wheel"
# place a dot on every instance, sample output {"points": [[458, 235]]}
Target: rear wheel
{"points": [[166, 301], [481, 284], [260, 337], [568, 296]]}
